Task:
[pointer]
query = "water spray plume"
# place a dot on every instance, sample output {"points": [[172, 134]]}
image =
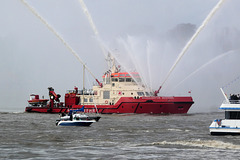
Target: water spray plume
{"points": [[205, 22], [148, 62], [85, 10], [94, 28], [59, 37], [204, 65]]}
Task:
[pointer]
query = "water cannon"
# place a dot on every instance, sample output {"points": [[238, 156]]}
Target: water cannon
{"points": [[157, 91], [99, 83]]}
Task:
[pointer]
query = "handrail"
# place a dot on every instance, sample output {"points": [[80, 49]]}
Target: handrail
{"points": [[231, 102]]}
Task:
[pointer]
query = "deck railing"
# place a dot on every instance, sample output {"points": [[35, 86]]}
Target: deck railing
{"points": [[231, 102]]}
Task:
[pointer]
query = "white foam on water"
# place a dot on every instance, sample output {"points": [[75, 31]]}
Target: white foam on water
{"points": [[174, 129], [201, 143]]}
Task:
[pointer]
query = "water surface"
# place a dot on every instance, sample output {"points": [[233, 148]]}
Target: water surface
{"points": [[124, 136]]}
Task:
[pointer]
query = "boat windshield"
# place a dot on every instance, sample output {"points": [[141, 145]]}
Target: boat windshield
{"points": [[128, 79], [121, 79], [232, 114], [114, 79], [140, 93], [234, 98]]}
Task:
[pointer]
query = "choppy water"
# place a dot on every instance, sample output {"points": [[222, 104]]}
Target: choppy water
{"points": [[35, 136]]}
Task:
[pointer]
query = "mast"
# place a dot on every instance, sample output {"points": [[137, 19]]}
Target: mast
{"points": [[83, 81], [224, 94], [111, 63]]}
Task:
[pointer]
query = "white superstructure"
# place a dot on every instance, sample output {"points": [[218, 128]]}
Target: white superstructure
{"points": [[231, 123]]}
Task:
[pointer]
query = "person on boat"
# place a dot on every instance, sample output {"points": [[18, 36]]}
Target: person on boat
{"points": [[233, 98]]}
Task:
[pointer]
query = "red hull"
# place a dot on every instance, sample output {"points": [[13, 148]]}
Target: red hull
{"points": [[149, 105], [47, 109]]}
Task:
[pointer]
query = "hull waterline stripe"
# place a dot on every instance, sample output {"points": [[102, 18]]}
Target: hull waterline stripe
{"points": [[223, 128], [142, 102]]}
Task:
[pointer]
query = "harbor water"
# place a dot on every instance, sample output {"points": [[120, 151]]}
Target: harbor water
{"points": [[124, 136]]}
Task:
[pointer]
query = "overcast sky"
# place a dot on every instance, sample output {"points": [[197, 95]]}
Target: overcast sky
{"points": [[32, 58]]}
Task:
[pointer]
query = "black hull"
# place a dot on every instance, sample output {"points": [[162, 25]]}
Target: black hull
{"points": [[223, 133]]}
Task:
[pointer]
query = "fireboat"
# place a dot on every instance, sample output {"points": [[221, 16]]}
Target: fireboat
{"points": [[119, 92]]}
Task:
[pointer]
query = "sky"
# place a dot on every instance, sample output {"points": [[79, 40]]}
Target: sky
{"points": [[143, 35]]}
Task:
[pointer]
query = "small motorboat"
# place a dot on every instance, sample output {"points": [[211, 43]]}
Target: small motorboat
{"points": [[76, 118], [36, 101], [79, 113], [231, 124]]}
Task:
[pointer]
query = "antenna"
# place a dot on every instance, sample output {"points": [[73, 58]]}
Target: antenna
{"points": [[224, 94]]}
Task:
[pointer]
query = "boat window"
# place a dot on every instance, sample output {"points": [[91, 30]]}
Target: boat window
{"points": [[85, 100], [127, 75], [147, 94], [81, 92], [91, 92], [106, 94], [128, 79], [107, 80], [114, 79], [140, 93], [121, 79], [232, 114], [90, 99], [122, 75]]}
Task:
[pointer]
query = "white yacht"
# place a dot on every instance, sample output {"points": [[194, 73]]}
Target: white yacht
{"points": [[231, 123]]}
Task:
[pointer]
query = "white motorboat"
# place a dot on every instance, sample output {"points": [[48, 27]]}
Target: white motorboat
{"points": [[76, 118], [231, 123]]}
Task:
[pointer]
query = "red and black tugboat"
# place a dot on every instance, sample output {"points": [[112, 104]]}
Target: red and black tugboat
{"points": [[119, 92]]}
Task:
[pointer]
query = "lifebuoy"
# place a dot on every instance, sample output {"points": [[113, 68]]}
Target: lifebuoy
{"points": [[106, 102]]}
